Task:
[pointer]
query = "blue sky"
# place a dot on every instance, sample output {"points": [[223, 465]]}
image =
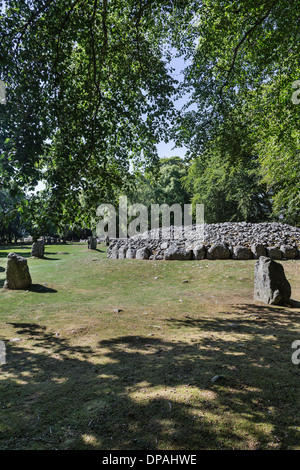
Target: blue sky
{"points": [[166, 150]]}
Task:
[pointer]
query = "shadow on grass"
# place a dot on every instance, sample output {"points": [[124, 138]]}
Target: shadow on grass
{"points": [[41, 289], [15, 249], [148, 393]]}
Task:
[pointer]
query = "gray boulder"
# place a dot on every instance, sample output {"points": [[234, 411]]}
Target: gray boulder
{"points": [[130, 253], [122, 252], [38, 249], [270, 283], [218, 251], [258, 250], [274, 253], [178, 253], [242, 252], [114, 252], [142, 253], [199, 252], [17, 272], [288, 252]]}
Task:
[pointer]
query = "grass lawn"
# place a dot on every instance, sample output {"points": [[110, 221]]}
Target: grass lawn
{"points": [[119, 354]]}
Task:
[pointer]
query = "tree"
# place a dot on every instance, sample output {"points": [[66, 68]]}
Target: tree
{"points": [[164, 187], [12, 224], [241, 75], [229, 192], [88, 93]]}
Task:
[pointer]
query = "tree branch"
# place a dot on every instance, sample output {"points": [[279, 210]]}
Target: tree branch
{"points": [[241, 42]]}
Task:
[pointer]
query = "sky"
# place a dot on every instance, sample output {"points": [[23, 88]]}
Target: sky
{"points": [[166, 150]]}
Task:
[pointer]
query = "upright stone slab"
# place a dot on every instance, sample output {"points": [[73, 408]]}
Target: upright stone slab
{"points": [[270, 283], [38, 249], [17, 272], [92, 243]]}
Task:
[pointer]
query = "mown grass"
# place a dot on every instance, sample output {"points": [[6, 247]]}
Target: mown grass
{"points": [[119, 354]]}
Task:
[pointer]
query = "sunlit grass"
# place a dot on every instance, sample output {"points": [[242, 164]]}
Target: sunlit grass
{"points": [[119, 354]]}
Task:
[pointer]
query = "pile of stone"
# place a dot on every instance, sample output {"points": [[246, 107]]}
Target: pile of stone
{"points": [[236, 240]]}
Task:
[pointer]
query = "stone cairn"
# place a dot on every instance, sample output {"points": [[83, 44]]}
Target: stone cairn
{"points": [[17, 272], [235, 240]]}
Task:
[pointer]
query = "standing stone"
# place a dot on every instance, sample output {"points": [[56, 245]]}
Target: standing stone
{"points": [[92, 243], [38, 249], [17, 272], [270, 283]]}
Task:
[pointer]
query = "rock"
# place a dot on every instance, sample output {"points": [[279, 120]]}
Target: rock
{"points": [[242, 252], [258, 250], [92, 243], [142, 253], [274, 253], [130, 253], [199, 252], [270, 283], [164, 245], [114, 254], [122, 252], [38, 249], [178, 253], [218, 251], [17, 272], [288, 252], [218, 378], [220, 239]]}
